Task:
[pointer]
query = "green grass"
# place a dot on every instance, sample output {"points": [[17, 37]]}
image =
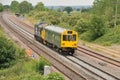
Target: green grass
{"points": [[24, 68], [111, 37]]}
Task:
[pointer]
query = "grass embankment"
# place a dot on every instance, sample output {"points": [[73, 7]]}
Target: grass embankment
{"points": [[111, 37], [23, 70], [28, 69], [15, 66]]}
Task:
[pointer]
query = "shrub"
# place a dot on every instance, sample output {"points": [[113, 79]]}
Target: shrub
{"points": [[1, 7], [97, 27], [87, 36], [111, 37], [40, 65], [8, 52], [55, 76]]}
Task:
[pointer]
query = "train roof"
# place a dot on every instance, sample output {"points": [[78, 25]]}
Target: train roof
{"points": [[55, 28]]}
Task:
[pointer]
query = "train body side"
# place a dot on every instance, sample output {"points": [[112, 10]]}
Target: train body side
{"points": [[53, 38], [64, 40]]}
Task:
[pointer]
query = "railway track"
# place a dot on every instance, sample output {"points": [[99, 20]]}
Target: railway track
{"points": [[102, 74], [110, 50], [38, 48], [82, 49], [99, 56]]}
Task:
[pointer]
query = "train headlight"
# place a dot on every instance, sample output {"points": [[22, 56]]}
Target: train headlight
{"points": [[63, 43], [74, 44]]}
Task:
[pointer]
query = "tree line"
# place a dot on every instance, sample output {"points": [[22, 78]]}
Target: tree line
{"points": [[91, 23], [26, 7]]}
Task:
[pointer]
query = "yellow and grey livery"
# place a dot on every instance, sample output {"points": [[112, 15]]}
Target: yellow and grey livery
{"points": [[62, 39]]}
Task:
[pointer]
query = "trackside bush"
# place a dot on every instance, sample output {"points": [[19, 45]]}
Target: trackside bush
{"points": [[26, 70], [8, 52], [1, 7], [55, 76], [40, 65], [111, 37], [95, 30]]}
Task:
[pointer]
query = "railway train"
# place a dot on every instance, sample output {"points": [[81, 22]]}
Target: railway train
{"points": [[63, 40]]}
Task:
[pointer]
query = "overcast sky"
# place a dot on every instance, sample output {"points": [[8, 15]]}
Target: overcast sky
{"points": [[54, 2]]}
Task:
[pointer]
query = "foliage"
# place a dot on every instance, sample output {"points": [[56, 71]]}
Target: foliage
{"points": [[40, 7], [82, 26], [8, 52], [111, 37], [91, 23], [1, 7], [6, 7], [15, 6], [26, 70], [86, 10], [100, 6], [40, 65], [68, 9], [86, 36], [97, 27], [25, 7], [23, 70], [55, 76], [106, 8]]}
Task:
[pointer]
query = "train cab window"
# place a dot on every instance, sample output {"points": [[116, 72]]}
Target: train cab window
{"points": [[64, 37], [69, 37], [74, 37]]}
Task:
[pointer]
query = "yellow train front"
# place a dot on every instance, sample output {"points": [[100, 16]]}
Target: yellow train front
{"points": [[69, 41], [65, 41]]}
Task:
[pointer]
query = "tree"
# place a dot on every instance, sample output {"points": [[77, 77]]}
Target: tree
{"points": [[40, 7], [97, 28], [9, 53], [82, 26], [107, 8], [25, 7], [68, 9], [1, 7], [6, 7], [14, 6]]}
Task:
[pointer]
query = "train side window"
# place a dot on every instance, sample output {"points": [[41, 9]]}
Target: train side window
{"points": [[74, 37], [64, 37]]}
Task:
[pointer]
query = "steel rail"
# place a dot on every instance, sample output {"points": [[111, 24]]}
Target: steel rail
{"points": [[111, 75], [99, 56], [73, 75]]}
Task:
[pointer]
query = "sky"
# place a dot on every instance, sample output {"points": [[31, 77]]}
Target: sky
{"points": [[54, 2]]}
